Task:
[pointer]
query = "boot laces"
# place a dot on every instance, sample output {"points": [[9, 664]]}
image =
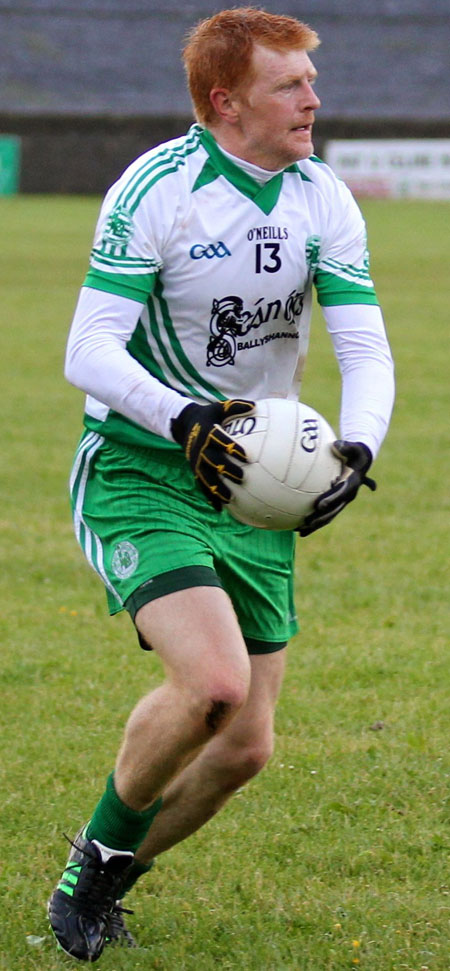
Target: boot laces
{"points": [[117, 929], [99, 888]]}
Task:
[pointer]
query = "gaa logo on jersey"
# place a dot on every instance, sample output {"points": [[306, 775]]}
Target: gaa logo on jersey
{"points": [[119, 227], [125, 560], [208, 251]]}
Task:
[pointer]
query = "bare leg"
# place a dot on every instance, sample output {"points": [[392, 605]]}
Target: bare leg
{"points": [[196, 634], [224, 763]]}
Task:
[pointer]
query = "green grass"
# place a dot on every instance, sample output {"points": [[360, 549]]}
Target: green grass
{"points": [[337, 856]]}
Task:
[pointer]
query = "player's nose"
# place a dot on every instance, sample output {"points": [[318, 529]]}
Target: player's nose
{"points": [[314, 101], [308, 98]]}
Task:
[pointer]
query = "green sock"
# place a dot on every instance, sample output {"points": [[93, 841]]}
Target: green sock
{"points": [[136, 870], [116, 825]]}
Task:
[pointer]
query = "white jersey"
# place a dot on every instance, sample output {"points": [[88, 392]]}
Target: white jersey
{"points": [[220, 269]]}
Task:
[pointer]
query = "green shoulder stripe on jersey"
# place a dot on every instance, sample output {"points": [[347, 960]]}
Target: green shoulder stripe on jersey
{"points": [[354, 274], [115, 272], [102, 260], [315, 158], [172, 342], [134, 286], [334, 291], [161, 163]]}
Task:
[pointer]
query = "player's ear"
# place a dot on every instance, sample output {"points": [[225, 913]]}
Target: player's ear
{"points": [[225, 105]]}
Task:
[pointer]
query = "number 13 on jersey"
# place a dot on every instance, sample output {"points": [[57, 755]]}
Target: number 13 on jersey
{"points": [[267, 258]]}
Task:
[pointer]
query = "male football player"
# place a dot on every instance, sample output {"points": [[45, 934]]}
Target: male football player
{"points": [[197, 302]]}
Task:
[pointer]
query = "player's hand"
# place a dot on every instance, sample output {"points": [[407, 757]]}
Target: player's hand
{"points": [[357, 459], [209, 449]]}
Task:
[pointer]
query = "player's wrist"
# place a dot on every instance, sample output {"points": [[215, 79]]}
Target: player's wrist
{"points": [[181, 424], [209, 449], [356, 455], [367, 453]]}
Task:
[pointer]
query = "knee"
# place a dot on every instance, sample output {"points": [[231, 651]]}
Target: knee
{"points": [[222, 701], [240, 764], [254, 758], [215, 701], [220, 693]]}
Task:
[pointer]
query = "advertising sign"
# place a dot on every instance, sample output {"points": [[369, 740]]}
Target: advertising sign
{"points": [[393, 168]]}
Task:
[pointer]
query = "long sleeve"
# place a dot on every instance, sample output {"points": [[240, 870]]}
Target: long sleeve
{"points": [[365, 361], [97, 362]]}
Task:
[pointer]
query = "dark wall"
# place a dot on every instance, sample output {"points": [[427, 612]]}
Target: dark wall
{"points": [[75, 154]]}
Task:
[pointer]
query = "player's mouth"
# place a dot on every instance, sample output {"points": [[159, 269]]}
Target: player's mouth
{"points": [[305, 128]]}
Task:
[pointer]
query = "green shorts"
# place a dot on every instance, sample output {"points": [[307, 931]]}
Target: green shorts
{"points": [[147, 530]]}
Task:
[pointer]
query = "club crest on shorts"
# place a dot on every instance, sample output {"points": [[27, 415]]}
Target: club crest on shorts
{"points": [[125, 560]]}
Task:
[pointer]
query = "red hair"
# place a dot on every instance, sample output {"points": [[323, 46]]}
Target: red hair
{"points": [[218, 51]]}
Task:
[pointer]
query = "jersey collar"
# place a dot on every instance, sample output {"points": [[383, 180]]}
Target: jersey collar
{"points": [[264, 196]]}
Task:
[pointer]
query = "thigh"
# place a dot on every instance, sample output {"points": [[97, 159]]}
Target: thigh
{"points": [[197, 635]]}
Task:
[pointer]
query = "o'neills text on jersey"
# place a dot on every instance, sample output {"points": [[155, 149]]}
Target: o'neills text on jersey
{"points": [[268, 232]]}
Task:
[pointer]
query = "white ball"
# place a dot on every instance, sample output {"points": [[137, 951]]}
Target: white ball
{"points": [[290, 463]]}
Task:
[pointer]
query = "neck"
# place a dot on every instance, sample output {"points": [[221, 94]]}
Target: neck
{"points": [[229, 140]]}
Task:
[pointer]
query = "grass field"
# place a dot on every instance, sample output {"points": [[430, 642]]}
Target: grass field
{"points": [[337, 856]]}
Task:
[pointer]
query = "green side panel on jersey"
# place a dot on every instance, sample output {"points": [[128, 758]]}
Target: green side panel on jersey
{"points": [[134, 286], [170, 351], [177, 350], [126, 432], [164, 350], [140, 349], [333, 291]]}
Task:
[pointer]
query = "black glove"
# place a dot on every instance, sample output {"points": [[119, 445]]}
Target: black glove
{"points": [[208, 447], [357, 458]]}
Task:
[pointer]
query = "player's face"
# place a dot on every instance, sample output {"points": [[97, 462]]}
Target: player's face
{"points": [[276, 109]]}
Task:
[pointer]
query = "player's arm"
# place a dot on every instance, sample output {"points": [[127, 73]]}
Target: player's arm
{"points": [[346, 294], [98, 362], [365, 362]]}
